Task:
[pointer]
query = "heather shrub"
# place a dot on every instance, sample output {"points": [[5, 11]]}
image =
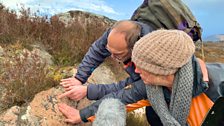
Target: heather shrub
{"points": [[24, 74]]}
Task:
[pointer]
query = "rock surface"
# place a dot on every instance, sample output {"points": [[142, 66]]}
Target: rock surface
{"points": [[84, 17], [43, 109]]}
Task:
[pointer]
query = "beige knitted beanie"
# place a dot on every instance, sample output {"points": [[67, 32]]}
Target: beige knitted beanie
{"points": [[162, 52]]}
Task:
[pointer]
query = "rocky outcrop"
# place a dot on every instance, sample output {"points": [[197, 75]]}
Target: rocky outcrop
{"points": [[45, 57], [43, 110], [10, 117], [10, 53], [84, 17]]}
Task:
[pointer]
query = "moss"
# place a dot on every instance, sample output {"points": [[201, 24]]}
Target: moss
{"points": [[59, 73]]}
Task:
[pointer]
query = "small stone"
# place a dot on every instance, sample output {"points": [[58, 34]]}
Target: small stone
{"points": [[24, 117], [15, 110]]}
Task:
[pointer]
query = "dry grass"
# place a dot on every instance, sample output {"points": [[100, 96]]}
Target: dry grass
{"points": [[67, 44], [213, 52], [23, 76]]}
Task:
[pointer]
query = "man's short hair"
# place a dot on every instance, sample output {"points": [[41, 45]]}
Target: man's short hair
{"points": [[131, 29]]}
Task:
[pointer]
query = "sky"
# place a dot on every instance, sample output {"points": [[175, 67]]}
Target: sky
{"points": [[209, 13]]}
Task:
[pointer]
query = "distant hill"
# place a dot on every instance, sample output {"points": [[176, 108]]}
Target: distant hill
{"points": [[213, 51], [214, 38], [84, 18]]}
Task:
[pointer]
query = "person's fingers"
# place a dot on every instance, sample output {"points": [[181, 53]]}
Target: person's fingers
{"points": [[62, 83], [67, 88], [70, 80], [66, 111], [67, 79], [70, 88], [65, 82], [66, 85], [74, 98], [62, 105], [77, 99], [62, 109], [69, 121], [65, 94]]}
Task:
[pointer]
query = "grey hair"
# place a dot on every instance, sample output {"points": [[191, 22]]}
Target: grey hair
{"points": [[131, 30], [111, 112]]}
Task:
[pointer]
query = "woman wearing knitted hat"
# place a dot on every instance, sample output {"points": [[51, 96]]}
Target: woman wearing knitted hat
{"points": [[166, 63]]}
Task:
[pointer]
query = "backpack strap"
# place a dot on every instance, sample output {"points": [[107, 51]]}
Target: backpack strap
{"points": [[203, 70]]}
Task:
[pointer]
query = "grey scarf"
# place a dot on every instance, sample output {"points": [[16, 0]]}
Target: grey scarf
{"points": [[177, 113]]}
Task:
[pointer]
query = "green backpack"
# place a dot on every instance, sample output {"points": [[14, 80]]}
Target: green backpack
{"points": [[168, 14]]}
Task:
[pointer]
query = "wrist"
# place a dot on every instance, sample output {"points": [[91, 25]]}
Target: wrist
{"points": [[85, 90], [79, 117], [79, 79], [82, 115]]}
